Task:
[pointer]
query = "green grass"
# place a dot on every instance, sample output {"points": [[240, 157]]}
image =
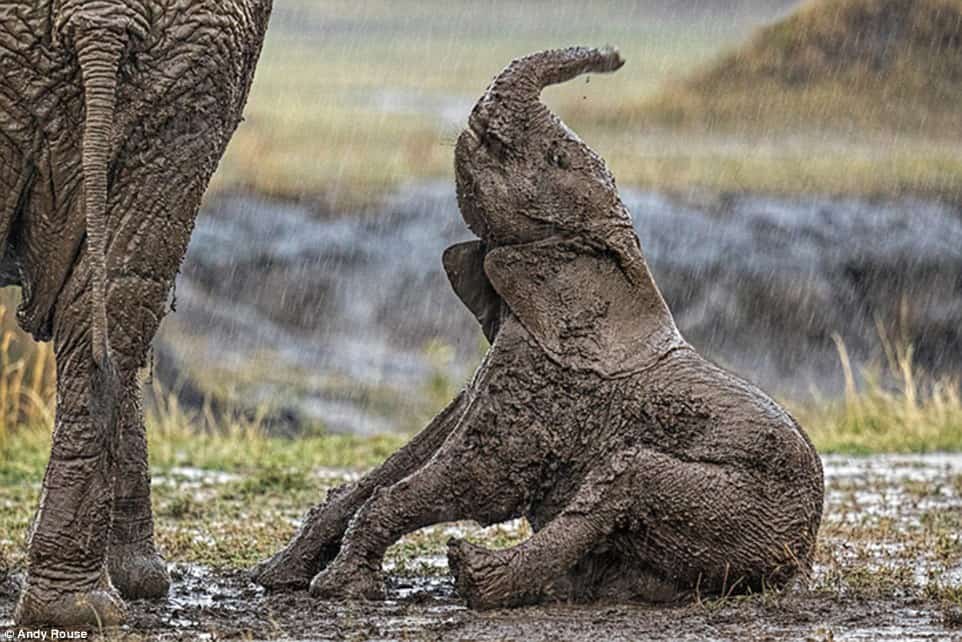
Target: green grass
{"points": [[896, 410]]}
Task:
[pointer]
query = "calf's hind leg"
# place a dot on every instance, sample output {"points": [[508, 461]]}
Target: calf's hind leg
{"points": [[319, 538], [524, 573], [677, 527]]}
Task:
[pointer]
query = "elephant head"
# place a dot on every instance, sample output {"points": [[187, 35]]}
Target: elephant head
{"points": [[557, 248]]}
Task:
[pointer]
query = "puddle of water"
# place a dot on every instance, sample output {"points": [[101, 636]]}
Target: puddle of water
{"points": [[925, 467], [187, 477], [338, 475]]}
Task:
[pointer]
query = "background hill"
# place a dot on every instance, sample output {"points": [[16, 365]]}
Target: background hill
{"points": [[890, 65]]}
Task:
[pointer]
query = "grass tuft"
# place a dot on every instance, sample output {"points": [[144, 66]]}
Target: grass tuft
{"points": [[895, 411]]}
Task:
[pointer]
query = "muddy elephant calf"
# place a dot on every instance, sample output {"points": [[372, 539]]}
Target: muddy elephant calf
{"points": [[644, 470]]}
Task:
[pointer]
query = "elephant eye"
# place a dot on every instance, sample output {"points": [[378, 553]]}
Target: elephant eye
{"points": [[494, 144], [558, 158]]}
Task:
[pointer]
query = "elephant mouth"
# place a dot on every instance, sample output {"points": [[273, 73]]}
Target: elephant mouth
{"points": [[467, 188]]}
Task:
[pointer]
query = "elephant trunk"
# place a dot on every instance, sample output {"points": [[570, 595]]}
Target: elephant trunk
{"points": [[521, 82], [98, 53]]}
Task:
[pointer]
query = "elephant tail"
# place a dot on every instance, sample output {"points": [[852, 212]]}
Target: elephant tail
{"points": [[99, 53]]}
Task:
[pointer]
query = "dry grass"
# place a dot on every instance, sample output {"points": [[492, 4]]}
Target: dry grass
{"points": [[846, 65], [895, 409], [27, 376]]}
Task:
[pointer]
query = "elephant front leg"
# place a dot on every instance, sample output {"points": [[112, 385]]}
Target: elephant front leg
{"points": [[319, 539], [449, 488], [136, 568], [66, 582]]}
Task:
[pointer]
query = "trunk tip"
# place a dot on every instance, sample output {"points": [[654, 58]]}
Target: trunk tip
{"points": [[609, 59]]}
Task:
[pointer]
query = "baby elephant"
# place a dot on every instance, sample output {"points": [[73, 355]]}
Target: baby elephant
{"points": [[646, 472]]}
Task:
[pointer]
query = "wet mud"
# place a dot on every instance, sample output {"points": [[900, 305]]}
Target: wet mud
{"points": [[205, 604], [890, 528]]}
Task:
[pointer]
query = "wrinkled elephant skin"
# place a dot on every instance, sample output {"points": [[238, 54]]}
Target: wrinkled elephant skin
{"points": [[113, 117], [646, 472]]}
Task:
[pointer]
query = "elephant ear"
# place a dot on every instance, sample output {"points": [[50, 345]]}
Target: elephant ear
{"points": [[581, 307], [464, 265]]}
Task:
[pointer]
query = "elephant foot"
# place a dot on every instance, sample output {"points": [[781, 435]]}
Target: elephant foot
{"points": [[484, 578], [285, 571], [348, 582], [101, 607], [138, 571]]}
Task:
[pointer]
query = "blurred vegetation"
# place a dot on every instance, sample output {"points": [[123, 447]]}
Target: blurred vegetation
{"points": [[352, 99], [843, 97], [896, 409], [27, 375], [892, 67]]}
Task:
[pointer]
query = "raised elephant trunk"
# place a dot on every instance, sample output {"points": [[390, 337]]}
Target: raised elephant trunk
{"points": [[99, 55], [510, 110], [525, 77]]}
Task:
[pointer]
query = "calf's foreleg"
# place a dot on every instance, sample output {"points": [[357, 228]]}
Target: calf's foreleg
{"points": [[457, 484], [318, 540], [522, 574]]}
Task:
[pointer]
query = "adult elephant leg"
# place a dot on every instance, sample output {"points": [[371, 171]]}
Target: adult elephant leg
{"points": [[66, 582], [318, 540], [136, 568], [154, 212]]}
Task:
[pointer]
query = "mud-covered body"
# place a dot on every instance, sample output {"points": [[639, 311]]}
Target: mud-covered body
{"points": [[182, 83], [690, 413]]}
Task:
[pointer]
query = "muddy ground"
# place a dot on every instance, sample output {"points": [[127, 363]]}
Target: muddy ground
{"points": [[889, 568]]}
